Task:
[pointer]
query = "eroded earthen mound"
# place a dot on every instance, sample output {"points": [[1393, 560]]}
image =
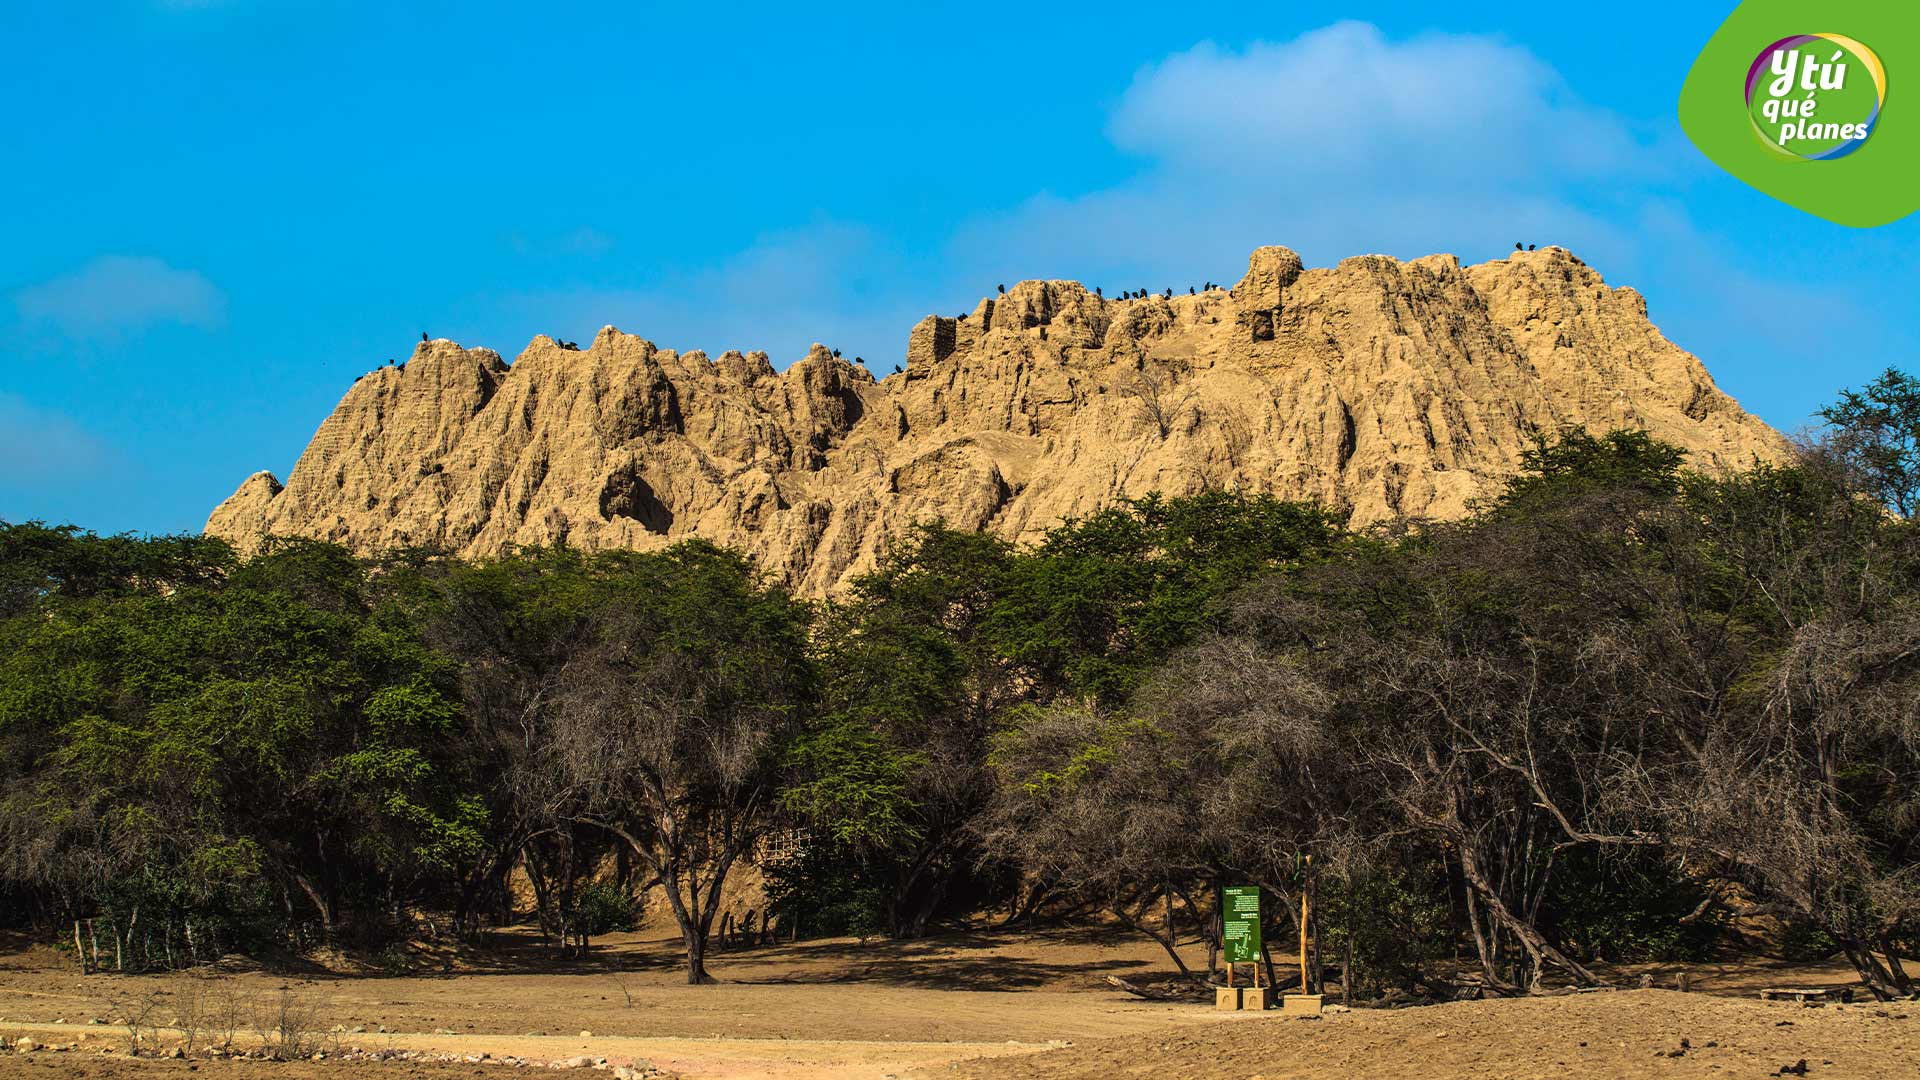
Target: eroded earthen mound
{"points": [[1384, 387]]}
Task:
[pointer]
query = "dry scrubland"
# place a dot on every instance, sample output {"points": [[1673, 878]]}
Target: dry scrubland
{"points": [[1621, 710], [987, 1005]]}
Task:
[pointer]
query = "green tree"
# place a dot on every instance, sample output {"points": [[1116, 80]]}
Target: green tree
{"points": [[1574, 461], [39, 561], [511, 625], [673, 718], [895, 769], [1876, 431], [257, 729], [1106, 598]]}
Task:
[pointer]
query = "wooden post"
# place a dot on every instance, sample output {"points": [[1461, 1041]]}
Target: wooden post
{"points": [[1306, 888]]}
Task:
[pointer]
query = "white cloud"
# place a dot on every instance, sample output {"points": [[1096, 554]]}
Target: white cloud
{"points": [[43, 449], [117, 294], [1345, 102], [1338, 142]]}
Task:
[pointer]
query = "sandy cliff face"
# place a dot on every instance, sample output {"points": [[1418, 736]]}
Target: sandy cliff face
{"points": [[1387, 388]]}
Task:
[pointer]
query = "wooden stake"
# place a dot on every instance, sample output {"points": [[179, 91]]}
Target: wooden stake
{"points": [[1306, 887]]}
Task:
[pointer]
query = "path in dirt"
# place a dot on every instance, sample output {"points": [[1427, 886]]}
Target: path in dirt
{"points": [[808, 1010], [718, 1058], [997, 1001]]}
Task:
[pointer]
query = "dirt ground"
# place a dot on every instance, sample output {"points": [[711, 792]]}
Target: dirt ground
{"points": [[988, 1005], [1629, 1033]]}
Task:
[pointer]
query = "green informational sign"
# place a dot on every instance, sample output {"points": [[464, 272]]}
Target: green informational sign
{"points": [[1240, 923]]}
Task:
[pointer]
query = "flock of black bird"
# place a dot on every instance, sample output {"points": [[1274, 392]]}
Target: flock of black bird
{"points": [[1133, 294]]}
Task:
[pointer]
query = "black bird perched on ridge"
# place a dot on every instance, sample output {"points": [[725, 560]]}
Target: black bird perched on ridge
{"points": [[424, 337], [1529, 247], [1003, 290], [1517, 246]]}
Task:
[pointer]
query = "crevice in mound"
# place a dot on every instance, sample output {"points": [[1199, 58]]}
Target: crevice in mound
{"points": [[626, 495]]}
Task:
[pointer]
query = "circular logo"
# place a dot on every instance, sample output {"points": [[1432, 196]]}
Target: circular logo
{"points": [[1815, 97]]}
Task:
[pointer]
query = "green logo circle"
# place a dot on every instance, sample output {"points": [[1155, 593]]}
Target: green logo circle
{"points": [[1815, 96]]}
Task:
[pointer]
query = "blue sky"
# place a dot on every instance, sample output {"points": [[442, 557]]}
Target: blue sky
{"points": [[218, 212]]}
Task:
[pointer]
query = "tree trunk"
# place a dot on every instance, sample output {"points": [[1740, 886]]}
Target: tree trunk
{"points": [[320, 904], [906, 918], [1346, 951], [923, 911], [1895, 969], [1165, 942], [696, 956], [1879, 983], [1538, 948]]}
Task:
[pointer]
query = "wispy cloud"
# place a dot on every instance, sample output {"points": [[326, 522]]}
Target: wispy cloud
{"points": [[44, 449], [1340, 141], [113, 295], [827, 282]]}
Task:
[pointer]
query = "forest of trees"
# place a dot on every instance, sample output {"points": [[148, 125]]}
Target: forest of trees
{"points": [[1620, 705]]}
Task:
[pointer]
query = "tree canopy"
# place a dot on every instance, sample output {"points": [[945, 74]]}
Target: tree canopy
{"points": [[1619, 705]]}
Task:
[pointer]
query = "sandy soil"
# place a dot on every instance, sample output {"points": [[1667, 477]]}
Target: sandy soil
{"points": [[814, 1009], [1629, 1033], [982, 1004], [90, 1067]]}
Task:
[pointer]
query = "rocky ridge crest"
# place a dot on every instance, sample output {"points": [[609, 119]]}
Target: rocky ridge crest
{"points": [[1390, 389]]}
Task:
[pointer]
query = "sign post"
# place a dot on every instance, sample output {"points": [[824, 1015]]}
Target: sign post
{"points": [[1240, 933]]}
